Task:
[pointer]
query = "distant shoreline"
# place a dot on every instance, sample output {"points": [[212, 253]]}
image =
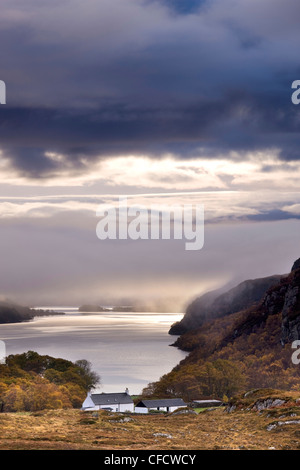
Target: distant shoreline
{"points": [[13, 313], [90, 308]]}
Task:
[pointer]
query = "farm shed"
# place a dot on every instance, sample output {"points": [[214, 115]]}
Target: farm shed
{"points": [[164, 404]]}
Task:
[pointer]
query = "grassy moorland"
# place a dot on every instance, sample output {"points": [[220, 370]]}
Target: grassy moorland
{"points": [[247, 427]]}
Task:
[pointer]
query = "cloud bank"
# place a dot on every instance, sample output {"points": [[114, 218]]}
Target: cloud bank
{"points": [[169, 101]]}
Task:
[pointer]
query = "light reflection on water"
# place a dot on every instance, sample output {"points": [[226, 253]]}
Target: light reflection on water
{"points": [[127, 349]]}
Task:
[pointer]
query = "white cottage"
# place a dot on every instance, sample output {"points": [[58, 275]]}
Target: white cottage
{"points": [[108, 401], [165, 404]]}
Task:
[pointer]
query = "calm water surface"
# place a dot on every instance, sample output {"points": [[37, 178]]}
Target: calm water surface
{"points": [[125, 349]]}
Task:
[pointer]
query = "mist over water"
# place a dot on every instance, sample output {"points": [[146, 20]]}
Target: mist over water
{"points": [[127, 349]]}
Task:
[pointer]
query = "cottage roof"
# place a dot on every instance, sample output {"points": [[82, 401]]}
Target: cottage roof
{"points": [[164, 402], [111, 398]]}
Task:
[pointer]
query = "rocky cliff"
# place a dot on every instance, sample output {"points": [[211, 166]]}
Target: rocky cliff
{"points": [[290, 327], [284, 298]]}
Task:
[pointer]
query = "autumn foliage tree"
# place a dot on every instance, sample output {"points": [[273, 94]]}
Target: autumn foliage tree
{"points": [[205, 379], [31, 382]]}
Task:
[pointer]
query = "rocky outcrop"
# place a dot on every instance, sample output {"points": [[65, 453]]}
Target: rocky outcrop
{"points": [[268, 403], [259, 405], [272, 426], [290, 329], [284, 298], [265, 399]]}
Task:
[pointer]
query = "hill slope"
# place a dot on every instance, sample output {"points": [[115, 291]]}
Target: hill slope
{"points": [[250, 348], [77, 430], [217, 304]]}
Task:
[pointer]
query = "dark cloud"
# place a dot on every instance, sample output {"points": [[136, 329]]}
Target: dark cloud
{"points": [[238, 122], [182, 6], [273, 215], [101, 80]]}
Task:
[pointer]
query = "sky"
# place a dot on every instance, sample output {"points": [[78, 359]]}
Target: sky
{"points": [[164, 102]]}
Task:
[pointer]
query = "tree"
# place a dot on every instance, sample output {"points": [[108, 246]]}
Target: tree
{"points": [[90, 378], [30, 382]]}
